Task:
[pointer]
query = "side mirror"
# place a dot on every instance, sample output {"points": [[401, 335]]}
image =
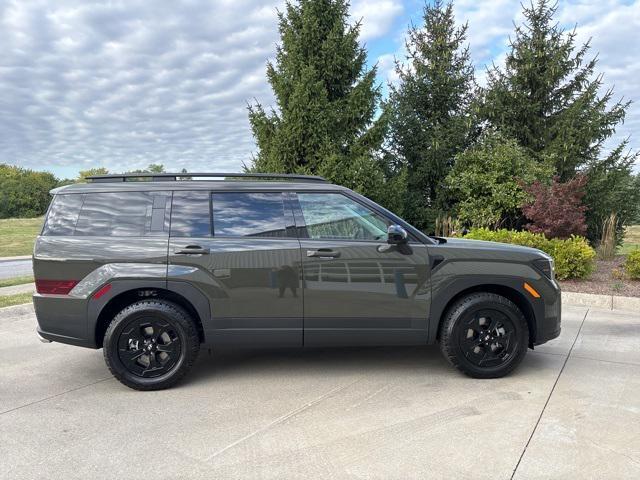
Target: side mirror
{"points": [[396, 235]]}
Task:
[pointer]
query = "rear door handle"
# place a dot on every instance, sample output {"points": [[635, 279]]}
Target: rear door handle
{"points": [[323, 253], [192, 250]]}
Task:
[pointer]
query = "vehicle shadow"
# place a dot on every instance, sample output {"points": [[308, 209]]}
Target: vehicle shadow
{"points": [[222, 363]]}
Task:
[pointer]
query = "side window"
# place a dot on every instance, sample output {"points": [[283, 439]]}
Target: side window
{"points": [[63, 215], [190, 215], [124, 214], [249, 215], [335, 216]]}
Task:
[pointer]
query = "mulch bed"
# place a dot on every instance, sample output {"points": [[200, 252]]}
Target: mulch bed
{"points": [[607, 279]]}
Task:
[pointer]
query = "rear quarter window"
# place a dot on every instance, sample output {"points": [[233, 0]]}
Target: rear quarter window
{"points": [[113, 214], [63, 214]]}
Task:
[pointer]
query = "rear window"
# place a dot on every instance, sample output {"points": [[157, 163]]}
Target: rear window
{"points": [[121, 214], [249, 215]]}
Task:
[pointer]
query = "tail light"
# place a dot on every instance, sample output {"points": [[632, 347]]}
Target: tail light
{"points": [[55, 287]]}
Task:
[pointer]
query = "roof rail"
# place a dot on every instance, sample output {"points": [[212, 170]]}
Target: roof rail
{"points": [[173, 177]]}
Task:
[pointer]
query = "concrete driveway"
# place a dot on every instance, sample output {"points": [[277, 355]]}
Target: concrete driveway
{"points": [[572, 410]]}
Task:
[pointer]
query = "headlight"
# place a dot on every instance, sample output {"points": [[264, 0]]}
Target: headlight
{"points": [[546, 266]]}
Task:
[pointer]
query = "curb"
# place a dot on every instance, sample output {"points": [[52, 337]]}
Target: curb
{"points": [[608, 302], [19, 306], [13, 259], [15, 289]]}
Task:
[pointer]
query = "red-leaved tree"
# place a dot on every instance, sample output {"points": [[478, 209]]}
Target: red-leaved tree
{"points": [[556, 209]]}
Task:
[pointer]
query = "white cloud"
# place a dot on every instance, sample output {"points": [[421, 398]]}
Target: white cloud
{"points": [[614, 30], [387, 67], [126, 83], [490, 24], [377, 16], [123, 83]]}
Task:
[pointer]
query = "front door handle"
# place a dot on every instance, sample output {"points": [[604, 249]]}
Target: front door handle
{"points": [[192, 250], [323, 253]]}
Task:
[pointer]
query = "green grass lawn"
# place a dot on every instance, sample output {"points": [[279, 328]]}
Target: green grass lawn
{"points": [[17, 299], [10, 282], [17, 235], [631, 240]]}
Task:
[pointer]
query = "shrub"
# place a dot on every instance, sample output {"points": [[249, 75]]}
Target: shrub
{"points": [[526, 239], [632, 264], [574, 258], [486, 180], [556, 209]]}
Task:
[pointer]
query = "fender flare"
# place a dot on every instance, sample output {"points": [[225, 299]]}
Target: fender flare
{"points": [[449, 290], [188, 292]]}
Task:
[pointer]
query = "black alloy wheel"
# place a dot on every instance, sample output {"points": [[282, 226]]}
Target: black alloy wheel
{"points": [[487, 338], [149, 347], [151, 344], [484, 335]]}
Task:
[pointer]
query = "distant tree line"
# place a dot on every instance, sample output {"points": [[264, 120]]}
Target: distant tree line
{"points": [[440, 145], [25, 193]]}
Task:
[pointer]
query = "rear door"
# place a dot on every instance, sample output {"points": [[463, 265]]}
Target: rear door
{"points": [[357, 288], [240, 249]]}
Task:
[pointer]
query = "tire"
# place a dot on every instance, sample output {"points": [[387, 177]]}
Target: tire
{"points": [[484, 335], [151, 345]]}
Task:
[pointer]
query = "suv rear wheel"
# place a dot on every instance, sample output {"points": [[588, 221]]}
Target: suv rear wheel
{"points": [[484, 335], [151, 345]]}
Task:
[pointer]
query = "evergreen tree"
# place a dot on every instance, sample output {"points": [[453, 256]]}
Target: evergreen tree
{"points": [[431, 120], [612, 188], [325, 121], [547, 96]]}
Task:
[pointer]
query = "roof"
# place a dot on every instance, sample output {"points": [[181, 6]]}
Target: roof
{"points": [[222, 185]]}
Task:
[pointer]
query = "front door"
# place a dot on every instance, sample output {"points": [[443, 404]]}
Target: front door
{"points": [[358, 289], [241, 250]]}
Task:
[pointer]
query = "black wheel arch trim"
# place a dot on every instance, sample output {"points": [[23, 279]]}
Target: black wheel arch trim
{"points": [[197, 300], [511, 288]]}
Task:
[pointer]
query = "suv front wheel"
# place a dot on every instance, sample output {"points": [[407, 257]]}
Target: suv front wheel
{"points": [[151, 345], [484, 335]]}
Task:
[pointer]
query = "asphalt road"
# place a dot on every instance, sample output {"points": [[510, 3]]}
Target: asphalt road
{"points": [[571, 410], [15, 268]]}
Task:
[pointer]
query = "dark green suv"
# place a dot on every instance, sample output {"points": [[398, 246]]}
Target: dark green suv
{"points": [[150, 270]]}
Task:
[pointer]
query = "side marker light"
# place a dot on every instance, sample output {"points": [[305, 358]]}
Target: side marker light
{"points": [[531, 290]]}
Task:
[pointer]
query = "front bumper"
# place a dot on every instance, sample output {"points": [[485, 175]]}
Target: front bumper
{"points": [[550, 326]]}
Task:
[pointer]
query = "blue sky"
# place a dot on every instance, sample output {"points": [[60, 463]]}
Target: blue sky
{"points": [[125, 83]]}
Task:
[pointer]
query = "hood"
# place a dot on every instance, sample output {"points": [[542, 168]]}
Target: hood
{"points": [[493, 246]]}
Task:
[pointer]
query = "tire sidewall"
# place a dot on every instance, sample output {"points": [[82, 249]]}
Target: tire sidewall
{"points": [[113, 334], [463, 311]]}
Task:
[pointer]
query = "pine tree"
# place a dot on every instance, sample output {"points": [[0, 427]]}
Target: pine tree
{"points": [[547, 97], [431, 120], [612, 188], [327, 101]]}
